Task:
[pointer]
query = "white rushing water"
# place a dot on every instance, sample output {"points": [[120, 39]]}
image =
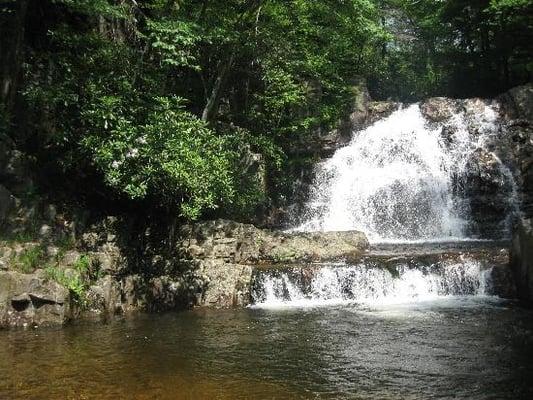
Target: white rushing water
{"points": [[362, 284], [402, 179], [397, 179]]}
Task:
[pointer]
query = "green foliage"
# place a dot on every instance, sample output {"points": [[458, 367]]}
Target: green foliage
{"points": [[72, 280], [82, 264], [65, 242], [169, 153], [77, 279], [177, 103], [29, 259], [454, 47], [174, 42]]}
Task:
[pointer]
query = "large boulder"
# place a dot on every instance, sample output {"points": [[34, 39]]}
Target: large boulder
{"points": [[438, 109], [517, 103], [377, 110], [31, 300]]}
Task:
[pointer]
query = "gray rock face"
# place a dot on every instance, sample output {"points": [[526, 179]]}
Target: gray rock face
{"points": [[226, 285], [518, 102], [522, 259], [30, 300], [238, 243], [438, 109], [488, 191], [225, 253], [517, 115], [500, 175]]}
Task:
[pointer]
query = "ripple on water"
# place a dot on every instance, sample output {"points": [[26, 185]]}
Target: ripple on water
{"points": [[463, 348]]}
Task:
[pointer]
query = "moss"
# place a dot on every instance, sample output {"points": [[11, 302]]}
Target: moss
{"points": [[285, 256]]}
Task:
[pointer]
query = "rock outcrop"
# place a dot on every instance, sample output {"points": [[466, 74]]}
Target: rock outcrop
{"points": [[224, 254], [234, 242], [31, 300], [517, 113], [499, 174], [522, 259]]}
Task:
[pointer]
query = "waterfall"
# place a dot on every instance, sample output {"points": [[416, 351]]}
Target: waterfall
{"points": [[406, 179], [369, 284], [401, 179]]}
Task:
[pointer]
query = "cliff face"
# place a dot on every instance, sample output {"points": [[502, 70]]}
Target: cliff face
{"points": [[488, 187]]}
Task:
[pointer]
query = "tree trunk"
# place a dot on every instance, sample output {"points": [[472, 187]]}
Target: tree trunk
{"points": [[213, 102]]}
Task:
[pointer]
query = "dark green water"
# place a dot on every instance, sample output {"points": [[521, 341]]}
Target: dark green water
{"points": [[470, 348]]}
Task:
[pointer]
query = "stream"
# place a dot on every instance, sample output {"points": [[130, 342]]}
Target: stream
{"points": [[459, 347]]}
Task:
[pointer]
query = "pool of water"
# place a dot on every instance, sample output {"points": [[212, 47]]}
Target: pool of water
{"points": [[454, 348]]}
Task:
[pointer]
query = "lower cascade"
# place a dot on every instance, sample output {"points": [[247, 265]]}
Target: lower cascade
{"points": [[371, 283]]}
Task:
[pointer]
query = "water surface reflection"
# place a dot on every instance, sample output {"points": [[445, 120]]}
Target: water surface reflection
{"points": [[462, 348]]}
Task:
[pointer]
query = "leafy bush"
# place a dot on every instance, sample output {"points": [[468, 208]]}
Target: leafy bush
{"points": [[171, 155]]}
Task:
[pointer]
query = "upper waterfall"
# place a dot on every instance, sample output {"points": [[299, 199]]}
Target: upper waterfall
{"points": [[401, 179]]}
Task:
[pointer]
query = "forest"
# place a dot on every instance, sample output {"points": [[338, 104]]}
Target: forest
{"points": [[165, 103]]}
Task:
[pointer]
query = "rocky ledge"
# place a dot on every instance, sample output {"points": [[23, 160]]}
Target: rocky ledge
{"points": [[30, 299], [226, 253], [105, 269]]}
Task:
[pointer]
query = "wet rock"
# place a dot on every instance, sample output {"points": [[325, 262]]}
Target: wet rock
{"points": [[438, 109], [30, 300], [502, 283], [473, 107], [488, 191], [522, 259], [517, 103], [378, 110]]}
